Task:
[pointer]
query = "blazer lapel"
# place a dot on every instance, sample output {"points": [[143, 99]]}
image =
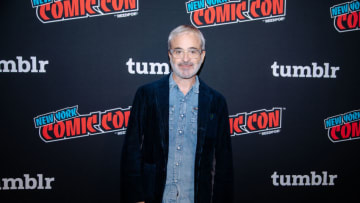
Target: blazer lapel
{"points": [[205, 99], [162, 102]]}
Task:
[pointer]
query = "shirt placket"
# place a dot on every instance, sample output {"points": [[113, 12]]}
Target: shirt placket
{"points": [[178, 184], [180, 137]]}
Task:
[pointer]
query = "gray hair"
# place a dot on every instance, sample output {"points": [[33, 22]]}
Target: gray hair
{"points": [[186, 28]]}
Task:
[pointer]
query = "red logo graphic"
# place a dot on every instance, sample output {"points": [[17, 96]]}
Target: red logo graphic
{"points": [[67, 123], [346, 16], [262, 121], [343, 127], [74, 9], [237, 12]]}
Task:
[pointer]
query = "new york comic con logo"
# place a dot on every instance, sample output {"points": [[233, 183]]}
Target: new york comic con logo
{"points": [[343, 127], [346, 16], [49, 11], [67, 123], [262, 121], [204, 13]]}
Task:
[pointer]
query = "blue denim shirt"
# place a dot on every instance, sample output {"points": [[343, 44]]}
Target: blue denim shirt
{"points": [[183, 110]]}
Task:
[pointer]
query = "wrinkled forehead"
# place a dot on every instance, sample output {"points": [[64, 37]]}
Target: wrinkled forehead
{"points": [[186, 40]]}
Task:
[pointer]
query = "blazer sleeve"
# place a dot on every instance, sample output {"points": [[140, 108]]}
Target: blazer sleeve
{"points": [[224, 179], [131, 159]]}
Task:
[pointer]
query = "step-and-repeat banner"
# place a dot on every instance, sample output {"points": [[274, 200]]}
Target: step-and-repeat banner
{"points": [[289, 70]]}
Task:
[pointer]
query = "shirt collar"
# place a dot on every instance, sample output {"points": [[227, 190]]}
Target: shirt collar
{"points": [[195, 87]]}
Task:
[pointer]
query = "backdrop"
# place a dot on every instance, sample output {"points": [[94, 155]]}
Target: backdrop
{"points": [[289, 70]]}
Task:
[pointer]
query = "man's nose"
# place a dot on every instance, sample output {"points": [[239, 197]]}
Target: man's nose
{"points": [[186, 56]]}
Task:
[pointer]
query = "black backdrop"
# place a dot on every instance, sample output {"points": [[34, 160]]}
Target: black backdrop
{"points": [[85, 62]]}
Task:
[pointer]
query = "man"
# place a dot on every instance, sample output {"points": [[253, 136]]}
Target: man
{"points": [[177, 146]]}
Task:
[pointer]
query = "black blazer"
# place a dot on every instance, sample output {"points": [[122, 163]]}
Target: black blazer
{"points": [[145, 149]]}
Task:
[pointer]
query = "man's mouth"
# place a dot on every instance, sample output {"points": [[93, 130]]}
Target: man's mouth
{"points": [[186, 64]]}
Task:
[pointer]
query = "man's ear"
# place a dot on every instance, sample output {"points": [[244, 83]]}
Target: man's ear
{"points": [[203, 53]]}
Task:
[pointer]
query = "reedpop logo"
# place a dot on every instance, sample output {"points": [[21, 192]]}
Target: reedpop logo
{"points": [[205, 13]]}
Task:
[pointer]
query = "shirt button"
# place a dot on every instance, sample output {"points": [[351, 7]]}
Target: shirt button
{"points": [[182, 115], [178, 147], [180, 131], [176, 163]]}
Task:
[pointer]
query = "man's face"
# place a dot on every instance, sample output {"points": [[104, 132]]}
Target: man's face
{"points": [[186, 66]]}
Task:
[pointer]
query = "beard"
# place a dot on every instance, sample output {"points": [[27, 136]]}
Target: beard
{"points": [[187, 73]]}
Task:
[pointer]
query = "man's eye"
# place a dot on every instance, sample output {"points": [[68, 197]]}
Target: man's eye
{"points": [[194, 51], [177, 51]]}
